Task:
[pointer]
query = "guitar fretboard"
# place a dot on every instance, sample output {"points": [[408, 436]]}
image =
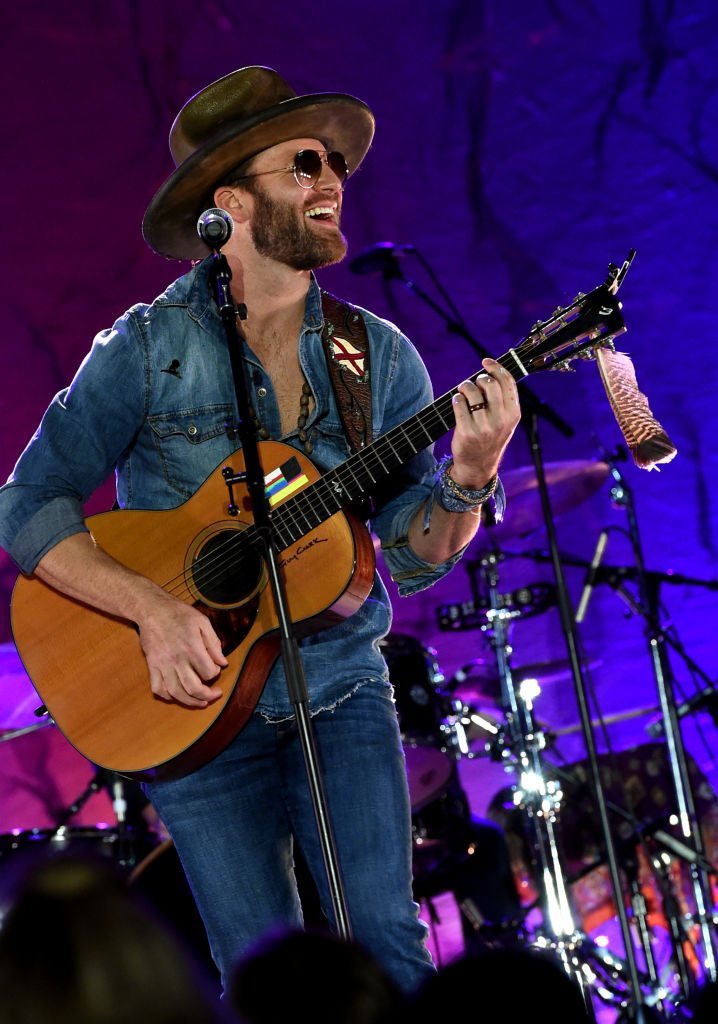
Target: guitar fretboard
{"points": [[363, 471]]}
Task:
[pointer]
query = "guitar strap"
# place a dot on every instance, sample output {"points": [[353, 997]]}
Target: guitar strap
{"points": [[346, 347]]}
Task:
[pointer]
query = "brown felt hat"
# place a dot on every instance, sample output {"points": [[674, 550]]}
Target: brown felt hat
{"points": [[230, 121]]}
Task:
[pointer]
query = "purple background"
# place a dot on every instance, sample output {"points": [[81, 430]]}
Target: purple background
{"points": [[520, 147]]}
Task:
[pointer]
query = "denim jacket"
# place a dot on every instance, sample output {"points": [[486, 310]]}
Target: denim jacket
{"points": [[152, 399]]}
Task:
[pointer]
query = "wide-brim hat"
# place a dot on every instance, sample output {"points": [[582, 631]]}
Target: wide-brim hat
{"points": [[230, 121]]}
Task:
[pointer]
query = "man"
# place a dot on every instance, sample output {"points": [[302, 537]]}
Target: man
{"points": [[153, 399]]}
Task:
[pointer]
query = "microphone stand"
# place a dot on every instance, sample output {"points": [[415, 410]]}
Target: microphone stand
{"points": [[296, 681], [647, 605], [531, 409]]}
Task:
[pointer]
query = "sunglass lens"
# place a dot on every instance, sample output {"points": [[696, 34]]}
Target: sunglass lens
{"points": [[307, 167], [338, 164]]}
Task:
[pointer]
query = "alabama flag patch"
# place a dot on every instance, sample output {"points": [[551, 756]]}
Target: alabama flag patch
{"points": [[347, 355]]}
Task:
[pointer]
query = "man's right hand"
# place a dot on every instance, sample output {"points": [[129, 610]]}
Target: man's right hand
{"points": [[183, 651]]}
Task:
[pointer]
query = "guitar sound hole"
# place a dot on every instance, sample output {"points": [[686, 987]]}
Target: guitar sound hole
{"points": [[226, 569]]}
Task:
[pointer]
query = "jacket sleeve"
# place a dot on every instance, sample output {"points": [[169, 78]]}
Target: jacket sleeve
{"points": [[80, 439], [403, 391]]}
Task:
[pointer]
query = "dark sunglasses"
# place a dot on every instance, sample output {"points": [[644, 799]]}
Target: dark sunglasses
{"points": [[307, 168]]}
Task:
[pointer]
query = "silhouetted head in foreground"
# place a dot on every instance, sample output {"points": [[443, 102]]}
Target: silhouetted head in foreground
{"points": [[507, 985], [76, 946], [312, 975]]}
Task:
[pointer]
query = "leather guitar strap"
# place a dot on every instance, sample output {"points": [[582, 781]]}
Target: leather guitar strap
{"points": [[346, 347]]}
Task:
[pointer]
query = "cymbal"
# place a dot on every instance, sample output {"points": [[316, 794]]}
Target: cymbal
{"points": [[569, 484], [598, 723], [480, 678], [549, 671], [18, 698]]}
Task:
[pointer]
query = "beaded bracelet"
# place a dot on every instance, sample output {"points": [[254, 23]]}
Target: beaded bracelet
{"points": [[454, 498]]}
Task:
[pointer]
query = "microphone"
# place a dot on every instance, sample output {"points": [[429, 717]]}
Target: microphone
{"points": [[590, 580], [215, 227], [380, 258]]}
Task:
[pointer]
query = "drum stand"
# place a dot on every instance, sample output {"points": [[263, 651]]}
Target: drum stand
{"points": [[537, 796]]}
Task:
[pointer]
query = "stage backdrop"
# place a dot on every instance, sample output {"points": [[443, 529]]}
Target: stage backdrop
{"points": [[521, 147]]}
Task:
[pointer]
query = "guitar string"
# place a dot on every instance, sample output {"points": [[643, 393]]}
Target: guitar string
{"points": [[303, 512], [285, 516], [179, 585], [303, 503], [509, 360]]}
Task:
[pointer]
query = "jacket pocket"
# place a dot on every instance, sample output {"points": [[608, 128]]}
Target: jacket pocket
{"points": [[190, 443]]}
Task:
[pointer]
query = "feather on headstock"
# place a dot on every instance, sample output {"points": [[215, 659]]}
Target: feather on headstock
{"points": [[586, 329], [647, 441]]}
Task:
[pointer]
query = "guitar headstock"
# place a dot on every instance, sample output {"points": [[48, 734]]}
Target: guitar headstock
{"points": [[577, 330]]}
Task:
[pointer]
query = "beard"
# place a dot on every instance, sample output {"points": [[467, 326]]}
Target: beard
{"points": [[278, 233]]}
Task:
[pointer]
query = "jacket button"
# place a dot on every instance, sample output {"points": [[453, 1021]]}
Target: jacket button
{"points": [[191, 430], [262, 392]]}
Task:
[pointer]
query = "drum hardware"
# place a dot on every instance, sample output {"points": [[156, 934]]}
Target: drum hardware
{"points": [[38, 772], [537, 797], [429, 740], [525, 601], [654, 859], [121, 836], [453, 851], [468, 732], [14, 734], [437, 728]]}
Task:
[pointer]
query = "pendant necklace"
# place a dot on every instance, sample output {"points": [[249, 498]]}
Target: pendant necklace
{"points": [[304, 435]]}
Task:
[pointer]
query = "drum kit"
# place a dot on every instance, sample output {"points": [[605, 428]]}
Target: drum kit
{"points": [[549, 815]]}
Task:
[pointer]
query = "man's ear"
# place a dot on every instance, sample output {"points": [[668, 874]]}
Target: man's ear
{"points": [[234, 202]]}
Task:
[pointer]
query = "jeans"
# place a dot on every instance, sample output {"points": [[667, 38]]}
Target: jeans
{"points": [[233, 820]]}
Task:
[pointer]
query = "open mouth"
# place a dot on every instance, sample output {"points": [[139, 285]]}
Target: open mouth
{"points": [[324, 214]]}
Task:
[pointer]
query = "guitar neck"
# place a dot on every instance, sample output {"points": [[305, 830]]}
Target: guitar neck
{"points": [[589, 322], [366, 469]]}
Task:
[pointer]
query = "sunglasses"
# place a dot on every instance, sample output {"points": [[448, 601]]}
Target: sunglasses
{"points": [[307, 168]]}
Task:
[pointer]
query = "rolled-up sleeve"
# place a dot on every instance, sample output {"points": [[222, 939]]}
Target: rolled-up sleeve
{"points": [[80, 439], [406, 389]]}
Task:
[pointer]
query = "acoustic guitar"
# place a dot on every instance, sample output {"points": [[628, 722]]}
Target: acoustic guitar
{"points": [[88, 666]]}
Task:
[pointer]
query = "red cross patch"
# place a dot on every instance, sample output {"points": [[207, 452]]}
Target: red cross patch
{"points": [[347, 355]]}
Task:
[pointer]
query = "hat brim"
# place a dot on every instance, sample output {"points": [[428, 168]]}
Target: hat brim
{"points": [[340, 122]]}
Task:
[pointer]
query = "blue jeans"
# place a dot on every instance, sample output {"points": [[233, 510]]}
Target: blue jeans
{"points": [[233, 820]]}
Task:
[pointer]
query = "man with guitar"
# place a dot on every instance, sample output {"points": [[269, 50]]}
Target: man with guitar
{"points": [[158, 666]]}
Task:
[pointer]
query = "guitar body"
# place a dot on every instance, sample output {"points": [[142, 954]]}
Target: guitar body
{"points": [[89, 669]]}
